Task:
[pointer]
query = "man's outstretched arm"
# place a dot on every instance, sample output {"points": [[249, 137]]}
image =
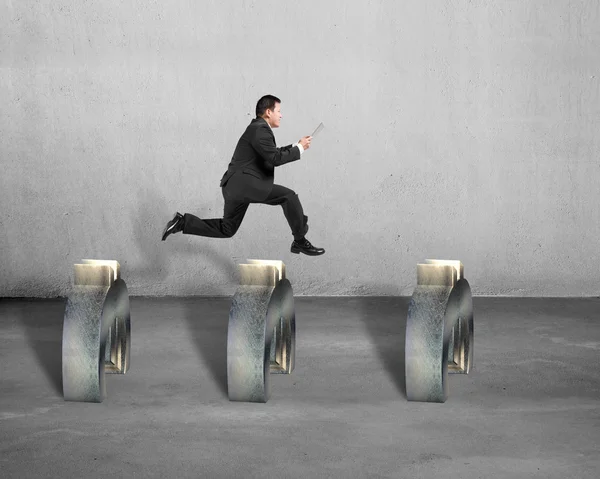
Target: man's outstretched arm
{"points": [[265, 146]]}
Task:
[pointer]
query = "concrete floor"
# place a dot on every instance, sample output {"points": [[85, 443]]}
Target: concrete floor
{"points": [[529, 409]]}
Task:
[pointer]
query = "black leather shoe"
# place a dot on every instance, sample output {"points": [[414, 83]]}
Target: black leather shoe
{"points": [[173, 226], [306, 248]]}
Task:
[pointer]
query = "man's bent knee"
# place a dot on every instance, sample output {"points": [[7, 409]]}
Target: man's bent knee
{"points": [[230, 230], [229, 233]]}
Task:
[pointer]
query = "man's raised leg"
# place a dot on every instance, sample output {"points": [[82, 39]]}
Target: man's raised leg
{"points": [[225, 227]]}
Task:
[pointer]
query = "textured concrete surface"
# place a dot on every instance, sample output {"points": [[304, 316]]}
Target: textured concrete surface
{"points": [[530, 408], [464, 130]]}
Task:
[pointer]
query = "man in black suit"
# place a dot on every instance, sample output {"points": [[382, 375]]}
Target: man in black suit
{"points": [[249, 179]]}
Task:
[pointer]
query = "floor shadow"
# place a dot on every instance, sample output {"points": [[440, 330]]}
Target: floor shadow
{"points": [[385, 320], [42, 321], [208, 320]]}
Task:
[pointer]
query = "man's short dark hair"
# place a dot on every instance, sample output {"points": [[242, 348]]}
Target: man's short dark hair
{"points": [[267, 102]]}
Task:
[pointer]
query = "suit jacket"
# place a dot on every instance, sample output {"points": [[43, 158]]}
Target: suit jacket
{"points": [[256, 156]]}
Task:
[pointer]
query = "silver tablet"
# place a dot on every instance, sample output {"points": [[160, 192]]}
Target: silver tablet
{"points": [[318, 129]]}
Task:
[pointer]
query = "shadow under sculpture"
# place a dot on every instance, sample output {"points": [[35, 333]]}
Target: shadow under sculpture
{"points": [[439, 330], [261, 335], [96, 330]]}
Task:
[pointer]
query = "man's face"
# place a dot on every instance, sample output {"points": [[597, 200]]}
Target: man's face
{"points": [[274, 116]]}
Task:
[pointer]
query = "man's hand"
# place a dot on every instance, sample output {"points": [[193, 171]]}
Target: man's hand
{"points": [[305, 142]]}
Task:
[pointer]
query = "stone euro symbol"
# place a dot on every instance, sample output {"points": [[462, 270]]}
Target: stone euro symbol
{"points": [[439, 330], [96, 330], [261, 334]]}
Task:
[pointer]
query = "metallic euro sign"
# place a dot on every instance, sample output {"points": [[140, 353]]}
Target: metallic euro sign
{"points": [[261, 335], [439, 330], [96, 330]]}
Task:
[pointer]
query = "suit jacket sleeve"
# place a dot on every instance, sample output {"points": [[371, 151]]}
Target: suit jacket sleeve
{"points": [[264, 144]]}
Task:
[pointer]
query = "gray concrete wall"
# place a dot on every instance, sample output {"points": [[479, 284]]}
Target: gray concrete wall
{"points": [[454, 130]]}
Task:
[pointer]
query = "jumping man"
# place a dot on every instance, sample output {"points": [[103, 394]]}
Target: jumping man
{"points": [[249, 179]]}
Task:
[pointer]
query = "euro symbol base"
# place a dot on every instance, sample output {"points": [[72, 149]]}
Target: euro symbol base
{"points": [[439, 330], [96, 330], [261, 335]]}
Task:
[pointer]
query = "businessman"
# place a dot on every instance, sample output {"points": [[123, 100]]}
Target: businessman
{"points": [[250, 179]]}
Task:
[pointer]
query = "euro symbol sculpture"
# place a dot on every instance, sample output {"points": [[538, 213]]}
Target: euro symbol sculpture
{"points": [[261, 335], [439, 330], [96, 330]]}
